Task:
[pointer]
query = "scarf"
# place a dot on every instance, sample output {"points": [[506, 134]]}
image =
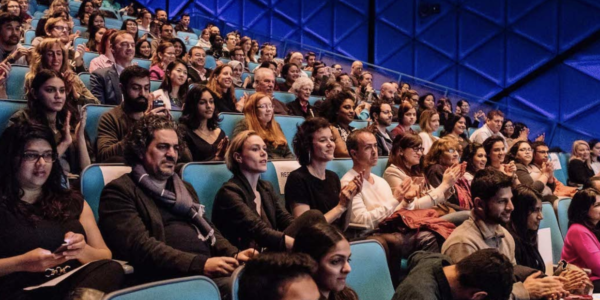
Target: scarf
{"points": [[180, 203]]}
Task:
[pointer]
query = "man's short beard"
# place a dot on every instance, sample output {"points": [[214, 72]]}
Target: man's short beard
{"points": [[136, 105]]}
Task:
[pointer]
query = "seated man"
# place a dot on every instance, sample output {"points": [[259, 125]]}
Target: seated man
{"points": [[381, 114], [264, 82], [492, 199], [279, 276], [492, 127], [105, 82], [115, 124], [153, 219], [485, 274]]}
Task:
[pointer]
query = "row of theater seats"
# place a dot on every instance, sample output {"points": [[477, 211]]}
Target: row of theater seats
{"points": [[370, 279]]}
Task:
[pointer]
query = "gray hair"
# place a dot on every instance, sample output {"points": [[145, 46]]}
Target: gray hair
{"points": [[260, 73], [300, 82]]}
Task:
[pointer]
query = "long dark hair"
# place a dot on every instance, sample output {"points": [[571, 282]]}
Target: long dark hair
{"points": [[190, 117], [81, 10], [36, 109], [403, 142], [469, 153], [579, 208], [56, 201], [451, 121], [524, 200], [514, 150], [166, 84], [124, 27], [92, 30], [138, 46]]}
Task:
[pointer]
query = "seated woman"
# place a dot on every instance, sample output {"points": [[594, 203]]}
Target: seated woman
{"points": [[216, 48], [220, 83], [330, 249], [407, 116], [131, 27], [237, 69], [339, 111], [312, 186], [580, 164], [496, 156], [93, 44], [507, 130], [290, 72], [456, 127], [523, 226], [94, 24], [253, 52], [203, 41], [444, 154], [58, 8], [11, 7], [48, 104], [143, 49], [247, 210], [164, 55], [104, 47], [582, 247], [404, 165], [302, 88], [426, 101], [180, 49], [258, 117], [429, 123], [200, 125], [174, 87], [51, 55], [59, 28], [38, 215], [463, 108], [522, 154], [86, 7], [444, 108], [475, 157], [595, 155], [144, 20]]}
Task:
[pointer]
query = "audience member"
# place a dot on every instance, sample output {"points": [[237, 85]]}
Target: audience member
{"points": [[475, 157], [166, 34], [484, 274], [216, 48], [279, 276], [47, 104], [522, 154], [595, 155], [221, 84], [86, 7], [38, 215], [407, 116], [143, 49], [339, 111], [253, 52], [50, 54], [290, 72], [312, 186], [230, 43], [462, 109], [580, 164], [444, 108], [184, 24], [491, 127], [336, 70], [115, 124], [496, 154], [381, 115], [197, 72], [204, 39], [59, 28], [246, 45], [345, 81], [237, 70], [259, 118], [95, 39], [507, 129], [11, 51], [456, 127], [492, 199], [105, 60], [131, 27], [152, 219], [356, 71], [95, 22], [330, 249], [174, 87], [164, 55], [320, 77], [180, 49], [200, 125], [145, 19], [264, 82], [365, 91], [581, 246], [425, 102], [429, 123], [105, 82], [247, 210], [302, 88], [57, 8]]}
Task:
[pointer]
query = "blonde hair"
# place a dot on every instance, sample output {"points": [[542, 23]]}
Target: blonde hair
{"points": [[213, 85], [37, 60], [576, 145], [437, 150], [160, 49], [272, 132], [424, 122], [236, 146]]}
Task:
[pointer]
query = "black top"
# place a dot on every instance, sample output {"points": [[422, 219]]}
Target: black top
{"points": [[304, 188], [20, 235], [283, 87], [200, 149], [225, 103], [426, 279], [579, 172], [295, 109], [435, 175], [526, 252], [470, 123]]}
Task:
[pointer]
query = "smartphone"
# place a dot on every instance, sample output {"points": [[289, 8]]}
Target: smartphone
{"points": [[158, 103], [62, 248]]}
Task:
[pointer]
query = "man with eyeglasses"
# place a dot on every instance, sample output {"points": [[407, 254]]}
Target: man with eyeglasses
{"points": [[381, 114], [355, 71], [197, 72], [11, 51], [336, 70], [105, 82], [153, 219]]}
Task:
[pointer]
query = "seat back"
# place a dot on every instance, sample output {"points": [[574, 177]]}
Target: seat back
{"points": [[289, 126], [79, 41], [550, 221], [252, 66], [313, 99], [112, 23], [563, 215], [187, 288], [29, 36], [359, 124], [87, 58], [229, 121], [93, 179], [154, 85], [370, 276], [380, 167], [340, 166], [284, 97], [235, 282], [183, 35], [85, 78], [245, 75], [16, 78], [144, 63], [239, 92], [94, 112], [210, 62], [392, 126], [206, 178], [7, 109]]}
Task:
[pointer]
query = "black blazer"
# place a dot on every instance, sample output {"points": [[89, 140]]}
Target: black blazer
{"points": [[133, 229], [105, 86], [234, 213], [295, 109]]}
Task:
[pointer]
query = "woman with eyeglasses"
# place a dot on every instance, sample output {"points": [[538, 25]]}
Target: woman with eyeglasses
{"points": [[131, 27], [47, 230], [164, 55], [507, 129], [522, 154], [259, 117], [48, 104], [57, 8]]}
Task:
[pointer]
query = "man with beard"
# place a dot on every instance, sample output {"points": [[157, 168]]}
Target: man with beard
{"points": [[381, 114], [116, 123], [197, 72], [492, 198], [105, 82], [10, 33]]}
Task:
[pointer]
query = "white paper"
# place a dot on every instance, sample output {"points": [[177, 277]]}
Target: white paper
{"points": [[545, 248], [283, 170], [60, 278], [554, 159]]}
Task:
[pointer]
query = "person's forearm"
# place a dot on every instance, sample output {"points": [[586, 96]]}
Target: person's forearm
{"points": [[90, 254], [334, 214], [84, 156], [10, 265]]}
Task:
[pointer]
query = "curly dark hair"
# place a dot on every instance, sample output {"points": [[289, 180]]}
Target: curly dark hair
{"points": [[56, 201], [302, 142], [469, 153], [487, 270], [488, 144], [142, 134], [190, 117], [512, 153], [450, 123], [580, 206], [332, 107]]}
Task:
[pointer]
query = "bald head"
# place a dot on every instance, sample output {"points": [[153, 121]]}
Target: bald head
{"points": [[357, 68], [297, 59], [387, 91]]}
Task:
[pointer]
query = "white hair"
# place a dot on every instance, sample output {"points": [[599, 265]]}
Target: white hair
{"points": [[300, 82]]}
